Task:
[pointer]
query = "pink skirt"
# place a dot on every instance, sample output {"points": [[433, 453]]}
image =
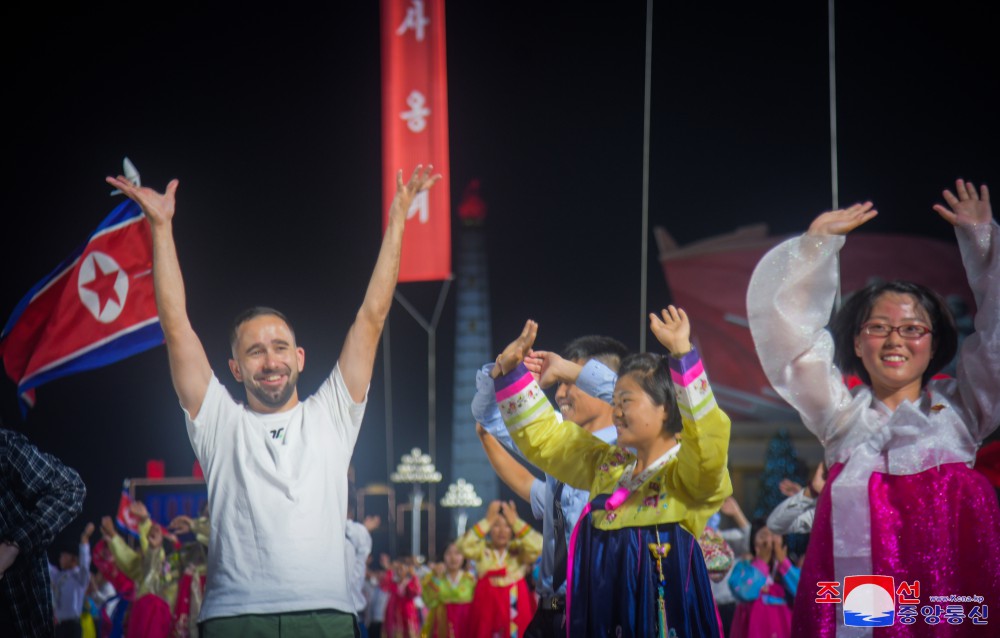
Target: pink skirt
{"points": [[940, 527]]}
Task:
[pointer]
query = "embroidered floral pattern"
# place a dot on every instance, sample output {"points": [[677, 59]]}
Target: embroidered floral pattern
{"points": [[512, 406]]}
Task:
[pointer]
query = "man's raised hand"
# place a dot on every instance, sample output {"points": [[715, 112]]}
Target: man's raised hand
{"points": [[421, 179], [553, 368], [158, 207]]}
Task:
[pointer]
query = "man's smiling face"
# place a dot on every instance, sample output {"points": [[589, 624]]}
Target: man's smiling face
{"points": [[588, 412], [267, 362]]}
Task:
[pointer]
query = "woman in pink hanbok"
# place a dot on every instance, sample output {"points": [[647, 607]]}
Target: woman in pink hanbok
{"points": [[764, 586], [402, 618], [901, 498]]}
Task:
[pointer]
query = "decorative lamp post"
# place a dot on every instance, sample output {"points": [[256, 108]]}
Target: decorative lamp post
{"points": [[416, 468], [461, 495]]}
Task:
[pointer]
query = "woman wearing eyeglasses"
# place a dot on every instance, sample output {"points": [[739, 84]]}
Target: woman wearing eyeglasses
{"points": [[901, 499]]}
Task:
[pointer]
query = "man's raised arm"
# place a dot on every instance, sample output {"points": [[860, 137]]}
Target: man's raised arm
{"points": [[189, 367], [509, 469], [358, 355]]}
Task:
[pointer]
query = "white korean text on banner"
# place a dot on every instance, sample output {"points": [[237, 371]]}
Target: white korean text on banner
{"points": [[415, 129]]}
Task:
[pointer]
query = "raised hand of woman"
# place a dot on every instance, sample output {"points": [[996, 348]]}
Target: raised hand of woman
{"points": [[843, 221], [492, 511], [516, 350], [673, 331], [966, 206], [509, 511]]}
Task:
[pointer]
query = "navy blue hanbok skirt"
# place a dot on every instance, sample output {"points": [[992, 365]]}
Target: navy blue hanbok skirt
{"points": [[614, 578]]}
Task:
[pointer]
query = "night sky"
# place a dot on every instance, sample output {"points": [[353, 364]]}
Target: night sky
{"points": [[270, 119]]}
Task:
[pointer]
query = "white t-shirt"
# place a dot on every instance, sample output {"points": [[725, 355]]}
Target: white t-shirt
{"points": [[277, 491]]}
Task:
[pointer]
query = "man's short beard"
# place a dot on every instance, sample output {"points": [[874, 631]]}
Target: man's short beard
{"points": [[270, 399]]}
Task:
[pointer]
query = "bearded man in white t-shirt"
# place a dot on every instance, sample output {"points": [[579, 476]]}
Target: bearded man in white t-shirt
{"points": [[276, 467]]}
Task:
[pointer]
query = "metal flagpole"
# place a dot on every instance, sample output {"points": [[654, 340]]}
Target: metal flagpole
{"points": [[645, 177], [834, 177], [831, 35]]}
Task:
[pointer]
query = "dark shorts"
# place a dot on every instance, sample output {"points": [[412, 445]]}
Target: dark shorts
{"points": [[320, 623]]}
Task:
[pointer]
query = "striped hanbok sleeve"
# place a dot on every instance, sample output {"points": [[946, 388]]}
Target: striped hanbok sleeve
{"points": [[702, 459], [559, 448]]}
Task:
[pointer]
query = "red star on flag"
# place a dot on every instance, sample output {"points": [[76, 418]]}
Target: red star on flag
{"points": [[103, 285]]}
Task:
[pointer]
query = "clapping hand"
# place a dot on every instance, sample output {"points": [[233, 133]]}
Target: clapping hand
{"points": [[138, 509], [181, 524], [108, 530], [778, 548], [509, 512], [492, 511], [155, 536]]}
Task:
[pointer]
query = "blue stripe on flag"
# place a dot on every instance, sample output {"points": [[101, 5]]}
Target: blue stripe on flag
{"points": [[124, 346]]}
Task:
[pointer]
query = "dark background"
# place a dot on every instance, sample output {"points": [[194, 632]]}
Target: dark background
{"points": [[270, 118]]}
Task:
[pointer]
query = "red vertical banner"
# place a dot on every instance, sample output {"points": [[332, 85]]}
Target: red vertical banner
{"points": [[415, 129]]}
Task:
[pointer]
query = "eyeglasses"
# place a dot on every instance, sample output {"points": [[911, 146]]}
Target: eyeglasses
{"points": [[911, 331]]}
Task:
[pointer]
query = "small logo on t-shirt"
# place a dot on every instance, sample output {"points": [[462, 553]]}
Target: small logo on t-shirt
{"points": [[276, 434]]}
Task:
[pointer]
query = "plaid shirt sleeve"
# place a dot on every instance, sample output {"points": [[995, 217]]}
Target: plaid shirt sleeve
{"points": [[38, 497], [41, 497]]}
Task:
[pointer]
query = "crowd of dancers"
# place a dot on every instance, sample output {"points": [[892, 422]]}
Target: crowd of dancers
{"points": [[635, 457]]}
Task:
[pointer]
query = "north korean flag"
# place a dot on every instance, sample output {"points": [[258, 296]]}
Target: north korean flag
{"points": [[95, 308], [124, 519]]}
